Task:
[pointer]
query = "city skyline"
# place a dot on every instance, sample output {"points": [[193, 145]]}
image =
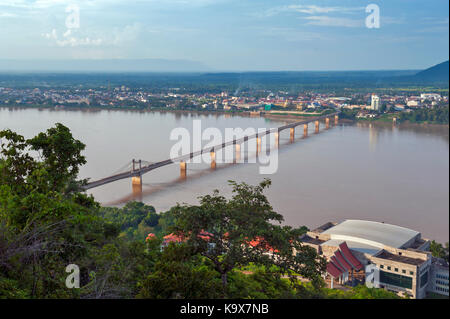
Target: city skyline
{"points": [[229, 35]]}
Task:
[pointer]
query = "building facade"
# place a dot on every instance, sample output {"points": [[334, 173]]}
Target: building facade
{"points": [[375, 103], [379, 255]]}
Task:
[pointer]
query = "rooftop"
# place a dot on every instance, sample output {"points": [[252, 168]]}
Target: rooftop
{"points": [[360, 247], [406, 260], [371, 234], [311, 240]]}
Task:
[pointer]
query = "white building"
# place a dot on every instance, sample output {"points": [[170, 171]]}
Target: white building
{"points": [[379, 255], [375, 104], [430, 96]]}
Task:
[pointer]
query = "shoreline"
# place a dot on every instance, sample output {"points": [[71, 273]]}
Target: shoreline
{"points": [[282, 117]]}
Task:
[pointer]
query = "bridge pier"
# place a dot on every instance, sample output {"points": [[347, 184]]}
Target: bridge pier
{"points": [[336, 119], [183, 169], [394, 120], [136, 186], [213, 159], [305, 130], [136, 181], [327, 123], [137, 189], [317, 126], [292, 134], [277, 139], [258, 145], [238, 152]]}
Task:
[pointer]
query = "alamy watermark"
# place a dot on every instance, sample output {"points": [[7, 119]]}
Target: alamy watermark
{"points": [[260, 147], [73, 279], [373, 19]]}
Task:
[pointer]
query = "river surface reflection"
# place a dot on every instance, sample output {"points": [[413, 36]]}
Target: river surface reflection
{"points": [[398, 175]]}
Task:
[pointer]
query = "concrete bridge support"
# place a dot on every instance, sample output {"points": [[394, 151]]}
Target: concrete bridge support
{"points": [[336, 119], [394, 120], [213, 159], [183, 169], [258, 145], [305, 130], [292, 134], [327, 123], [137, 190], [317, 126], [136, 186], [277, 139], [136, 181], [238, 152]]}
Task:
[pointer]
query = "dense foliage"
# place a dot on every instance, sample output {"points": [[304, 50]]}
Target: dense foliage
{"points": [[437, 115], [47, 223], [438, 250]]}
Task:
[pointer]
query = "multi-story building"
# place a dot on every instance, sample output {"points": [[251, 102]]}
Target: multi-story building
{"points": [[439, 277], [379, 255], [375, 103]]}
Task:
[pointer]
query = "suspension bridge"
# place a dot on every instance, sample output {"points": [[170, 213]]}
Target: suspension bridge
{"points": [[140, 167]]}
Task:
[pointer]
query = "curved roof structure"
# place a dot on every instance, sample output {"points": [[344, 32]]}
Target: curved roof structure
{"points": [[371, 233]]}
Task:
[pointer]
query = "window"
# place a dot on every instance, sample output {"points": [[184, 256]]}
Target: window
{"points": [[396, 269], [399, 253], [424, 279], [403, 271], [395, 280], [411, 272], [382, 266], [389, 267]]}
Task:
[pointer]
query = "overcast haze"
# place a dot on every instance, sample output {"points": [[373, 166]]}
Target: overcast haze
{"points": [[230, 35]]}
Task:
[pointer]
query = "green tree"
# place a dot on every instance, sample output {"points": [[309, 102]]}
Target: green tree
{"points": [[233, 233], [45, 224], [439, 250], [179, 273]]}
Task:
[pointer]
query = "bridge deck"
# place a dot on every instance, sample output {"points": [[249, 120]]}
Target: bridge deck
{"points": [[186, 157]]}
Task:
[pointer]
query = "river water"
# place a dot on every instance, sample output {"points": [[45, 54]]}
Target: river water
{"points": [[397, 175]]}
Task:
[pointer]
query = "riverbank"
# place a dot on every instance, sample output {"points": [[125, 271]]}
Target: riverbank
{"points": [[284, 117], [271, 116]]}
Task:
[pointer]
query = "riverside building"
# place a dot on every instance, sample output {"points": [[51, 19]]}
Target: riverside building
{"points": [[379, 255]]}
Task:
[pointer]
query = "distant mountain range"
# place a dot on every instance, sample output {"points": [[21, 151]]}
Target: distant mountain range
{"points": [[439, 72], [162, 74]]}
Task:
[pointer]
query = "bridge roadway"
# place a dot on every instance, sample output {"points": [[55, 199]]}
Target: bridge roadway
{"points": [[150, 167]]}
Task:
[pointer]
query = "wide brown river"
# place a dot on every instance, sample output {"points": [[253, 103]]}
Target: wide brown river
{"points": [[397, 175]]}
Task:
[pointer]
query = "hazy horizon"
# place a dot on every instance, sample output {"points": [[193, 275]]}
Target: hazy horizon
{"points": [[143, 66]]}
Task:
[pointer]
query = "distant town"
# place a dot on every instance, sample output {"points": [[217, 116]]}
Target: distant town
{"points": [[356, 105]]}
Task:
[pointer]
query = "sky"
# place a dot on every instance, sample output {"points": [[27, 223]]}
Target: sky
{"points": [[231, 35]]}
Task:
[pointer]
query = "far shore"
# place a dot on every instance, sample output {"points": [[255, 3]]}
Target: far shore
{"points": [[281, 117]]}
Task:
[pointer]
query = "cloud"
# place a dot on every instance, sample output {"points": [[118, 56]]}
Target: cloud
{"points": [[309, 9], [291, 34], [7, 15], [327, 21], [117, 37], [313, 9]]}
